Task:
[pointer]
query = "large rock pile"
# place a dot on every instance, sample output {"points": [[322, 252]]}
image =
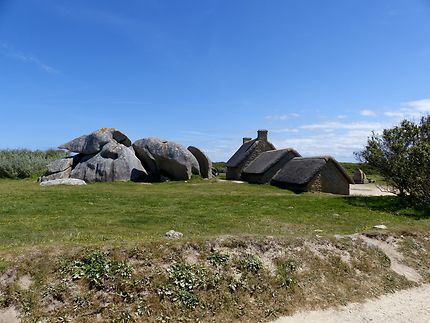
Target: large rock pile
{"points": [[108, 155], [166, 159], [205, 163]]}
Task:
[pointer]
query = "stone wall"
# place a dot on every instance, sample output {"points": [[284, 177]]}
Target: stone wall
{"points": [[333, 181], [315, 185]]}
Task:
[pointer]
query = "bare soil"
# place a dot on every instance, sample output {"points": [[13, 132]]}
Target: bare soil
{"points": [[389, 247], [407, 306], [370, 189], [9, 315]]}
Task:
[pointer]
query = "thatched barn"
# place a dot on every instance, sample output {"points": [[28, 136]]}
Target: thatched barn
{"points": [[249, 150], [267, 164], [315, 174]]}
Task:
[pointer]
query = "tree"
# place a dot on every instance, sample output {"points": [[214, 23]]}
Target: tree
{"points": [[402, 156]]}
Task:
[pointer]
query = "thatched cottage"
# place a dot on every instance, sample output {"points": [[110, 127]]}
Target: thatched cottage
{"points": [[249, 150], [320, 174], [267, 164]]}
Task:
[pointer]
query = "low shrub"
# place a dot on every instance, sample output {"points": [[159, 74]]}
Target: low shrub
{"points": [[219, 167], [183, 280], [250, 263], [24, 163], [218, 259], [287, 273], [97, 268]]}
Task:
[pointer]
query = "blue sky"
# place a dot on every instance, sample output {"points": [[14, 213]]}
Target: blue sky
{"points": [[319, 75]]}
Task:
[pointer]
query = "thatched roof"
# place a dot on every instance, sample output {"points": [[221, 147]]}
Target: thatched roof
{"points": [[300, 171], [242, 153], [248, 147], [267, 159]]}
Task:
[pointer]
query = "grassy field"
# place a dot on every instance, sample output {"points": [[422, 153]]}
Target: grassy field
{"points": [[249, 252], [371, 173], [31, 215]]}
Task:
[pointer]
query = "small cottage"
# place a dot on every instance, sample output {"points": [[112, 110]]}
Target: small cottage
{"points": [[267, 164], [313, 174], [249, 150]]}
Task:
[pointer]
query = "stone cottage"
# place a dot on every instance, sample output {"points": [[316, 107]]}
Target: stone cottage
{"points": [[249, 150], [267, 164], [315, 174]]}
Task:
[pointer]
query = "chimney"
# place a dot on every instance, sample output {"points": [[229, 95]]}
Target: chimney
{"points": [[246, 139], [262, 134]]}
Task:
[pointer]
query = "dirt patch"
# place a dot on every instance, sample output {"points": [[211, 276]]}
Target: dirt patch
{"points": [[369, 190], [191, 256], [8, 277], [321, 249], [266, 252], [9, 315], [389, 247], [25, 282], [228, 181], [405, 306]]}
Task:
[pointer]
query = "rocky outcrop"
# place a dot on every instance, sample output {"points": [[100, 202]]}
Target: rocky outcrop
{"points": [[205, 163], [115, 162], [172, 234], [94, 142], [59, 169], [148, 161], [59, 175], [65, 181], [166, 159], [104, 155], [107, 155], [60, 165], [195, 167]]}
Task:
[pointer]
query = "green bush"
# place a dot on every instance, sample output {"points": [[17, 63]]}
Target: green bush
{"points": [[287, 272], [370, 171], [184, 280], [97, 268], [24, 163], [219, 166], [218, 259], [250, 263], [186, 276], [402, 155]]}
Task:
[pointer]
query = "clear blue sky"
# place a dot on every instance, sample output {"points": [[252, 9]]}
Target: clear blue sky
{"points": [[319, 75]]}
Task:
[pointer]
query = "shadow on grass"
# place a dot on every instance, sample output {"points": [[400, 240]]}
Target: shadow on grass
{"points": [[391, 204]]}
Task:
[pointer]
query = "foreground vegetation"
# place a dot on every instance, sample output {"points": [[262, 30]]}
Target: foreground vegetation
{"points": [[402, 156], [249, 252], [220, 280], [24, 163]]}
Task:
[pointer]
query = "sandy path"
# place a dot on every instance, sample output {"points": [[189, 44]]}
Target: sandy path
{"points": [[369, 190], [405, 306]]}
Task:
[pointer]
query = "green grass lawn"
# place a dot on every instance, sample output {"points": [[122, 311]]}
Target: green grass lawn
{"points": [[118, 212], [371, 173], [98, 252]]}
